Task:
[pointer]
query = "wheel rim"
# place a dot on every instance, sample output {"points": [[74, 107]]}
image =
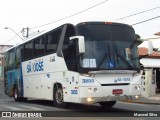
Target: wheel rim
{"points": [[59, 96], [15, 94]]}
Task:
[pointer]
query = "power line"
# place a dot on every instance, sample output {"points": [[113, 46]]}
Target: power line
{"points": [[64, 18], [145, 21], [137, 13], [71, 15], [11, 38]]}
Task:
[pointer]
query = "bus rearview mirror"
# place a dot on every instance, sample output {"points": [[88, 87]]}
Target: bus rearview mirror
{"points": [[81, 43]]}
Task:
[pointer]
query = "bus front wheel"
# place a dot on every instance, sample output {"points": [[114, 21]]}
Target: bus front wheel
{"points": [[58, 97]]}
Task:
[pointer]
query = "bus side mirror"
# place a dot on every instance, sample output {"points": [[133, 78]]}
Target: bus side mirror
{"points": [[81, 43]]}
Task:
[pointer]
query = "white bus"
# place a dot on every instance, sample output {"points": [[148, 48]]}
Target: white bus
{"points": [[92, 62]]}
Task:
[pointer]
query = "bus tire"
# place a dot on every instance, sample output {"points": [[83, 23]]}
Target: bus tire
{"points": [[15, 95], [16, 98], [58, 97], [108, 104]]}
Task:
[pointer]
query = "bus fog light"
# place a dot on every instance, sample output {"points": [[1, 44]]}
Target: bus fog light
{"points": [[89, 89], [95, 89], [137, 96], [89, 99]]}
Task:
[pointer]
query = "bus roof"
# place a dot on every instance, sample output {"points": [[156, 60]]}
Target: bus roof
{"points": [[79, 24], [36, 36]]}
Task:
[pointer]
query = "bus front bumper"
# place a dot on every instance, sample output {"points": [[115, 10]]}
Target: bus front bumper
{"points": [[92, 95]]}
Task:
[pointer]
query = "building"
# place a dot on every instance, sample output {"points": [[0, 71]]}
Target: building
{"points": [[151, 74], [2, 50]]}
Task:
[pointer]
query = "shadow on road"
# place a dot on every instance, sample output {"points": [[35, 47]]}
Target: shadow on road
{"points": [[77, 107]]}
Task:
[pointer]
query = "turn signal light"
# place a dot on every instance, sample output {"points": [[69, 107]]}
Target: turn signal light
{"points": [[108, 23]]}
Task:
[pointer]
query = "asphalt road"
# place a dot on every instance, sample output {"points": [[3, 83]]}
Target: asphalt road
{"points": [[120, 111]]}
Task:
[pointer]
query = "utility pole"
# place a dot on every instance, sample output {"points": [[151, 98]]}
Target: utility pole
{"points": [[25, 32]]}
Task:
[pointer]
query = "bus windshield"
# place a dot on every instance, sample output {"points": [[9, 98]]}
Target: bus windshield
{"points": [[109, 46]]}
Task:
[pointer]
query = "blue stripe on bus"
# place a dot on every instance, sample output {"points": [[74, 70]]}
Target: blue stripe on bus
{"points": [[21, 78]]}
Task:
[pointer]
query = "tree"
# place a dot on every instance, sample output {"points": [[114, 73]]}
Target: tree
{"points": [[156, 49], [138, 38]]}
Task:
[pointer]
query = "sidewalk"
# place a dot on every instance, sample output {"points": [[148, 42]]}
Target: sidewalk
{"points": [[151, 100]]}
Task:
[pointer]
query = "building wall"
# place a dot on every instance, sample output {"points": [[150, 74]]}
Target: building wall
{"points": [[3, 48], [154, 64], [150, 62]]}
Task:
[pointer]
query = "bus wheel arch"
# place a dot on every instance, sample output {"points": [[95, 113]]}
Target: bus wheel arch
{"points": [[16, 95], [108, 104], [58, 97]]}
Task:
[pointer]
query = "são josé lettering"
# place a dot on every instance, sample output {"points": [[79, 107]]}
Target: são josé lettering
{"points": [[35, 67]]}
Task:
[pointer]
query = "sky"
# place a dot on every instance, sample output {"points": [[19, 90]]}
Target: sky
{"points": [[18, 14]]}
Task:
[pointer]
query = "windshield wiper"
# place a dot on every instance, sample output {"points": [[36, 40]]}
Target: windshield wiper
{"points": [[125, 61], [133, 44], [104, 57]]}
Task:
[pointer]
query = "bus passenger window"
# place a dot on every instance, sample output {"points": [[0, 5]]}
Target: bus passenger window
{"points": [[28, 48], [18, 56], [6, 59], [11, 57], [52, 41], [39, 47], [69, 49]]}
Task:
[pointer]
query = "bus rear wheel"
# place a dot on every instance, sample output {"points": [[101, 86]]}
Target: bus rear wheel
{"points": [[16, 98], [108, 104], [58, 97]]}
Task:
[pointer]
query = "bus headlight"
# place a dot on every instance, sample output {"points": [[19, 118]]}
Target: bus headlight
{"points": [[137, 96], [89, 89], [137, 87], [92, 89], [95, 89]]}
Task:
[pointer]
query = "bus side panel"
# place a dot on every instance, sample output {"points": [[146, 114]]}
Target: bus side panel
{"points": [[11, 82], [32, 86], [40, 75], [71, 87], [21, 81], [8, 80], [50, 79]]}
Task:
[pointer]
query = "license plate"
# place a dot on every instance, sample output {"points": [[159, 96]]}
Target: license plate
{"points": [[117, 91]]}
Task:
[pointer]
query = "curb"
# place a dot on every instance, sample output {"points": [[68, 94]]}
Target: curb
{"points": [[143, 102]]}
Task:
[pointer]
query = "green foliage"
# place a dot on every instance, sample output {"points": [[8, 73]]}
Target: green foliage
{"points": [[138, 37]]}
